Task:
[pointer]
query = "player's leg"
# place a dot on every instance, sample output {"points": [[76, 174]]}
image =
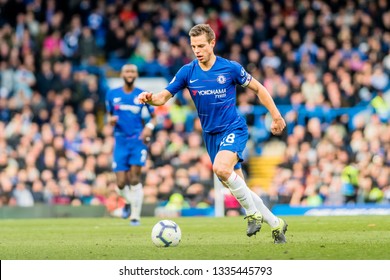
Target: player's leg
{"points": [[269, 218], [137, 159], [137, 194], [223, 167], [121, 169], [124, 191], [225, 151], [278, 226]]}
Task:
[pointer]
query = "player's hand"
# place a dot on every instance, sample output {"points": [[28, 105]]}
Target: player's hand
{"points": [[112, 120], [145, 97], [277, 126], [146, 135]]}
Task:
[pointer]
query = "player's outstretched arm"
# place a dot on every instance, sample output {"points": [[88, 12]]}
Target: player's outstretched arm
{"points": [[278, 124], [155, 99]]}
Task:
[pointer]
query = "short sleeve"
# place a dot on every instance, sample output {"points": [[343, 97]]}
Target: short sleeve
{"points": [[241, 76], [178, 82]]}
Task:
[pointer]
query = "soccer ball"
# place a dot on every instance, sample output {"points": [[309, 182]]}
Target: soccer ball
{"points": [[166, 233]]}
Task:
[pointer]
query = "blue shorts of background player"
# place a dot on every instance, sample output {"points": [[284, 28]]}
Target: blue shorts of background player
{"points": [[233, 139], [127, 152]]}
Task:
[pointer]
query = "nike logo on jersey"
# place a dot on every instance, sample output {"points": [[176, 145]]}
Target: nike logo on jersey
{"points": [[117, 99], [193, 81]]}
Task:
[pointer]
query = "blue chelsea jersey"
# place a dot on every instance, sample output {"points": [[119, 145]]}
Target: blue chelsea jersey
{"points": [[129, 111], [213, 92]]}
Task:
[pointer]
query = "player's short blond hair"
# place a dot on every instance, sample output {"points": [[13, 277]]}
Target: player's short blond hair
{"points": [[201, 29]]}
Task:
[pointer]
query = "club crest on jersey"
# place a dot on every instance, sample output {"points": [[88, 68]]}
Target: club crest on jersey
{"points": [[221, 79]]}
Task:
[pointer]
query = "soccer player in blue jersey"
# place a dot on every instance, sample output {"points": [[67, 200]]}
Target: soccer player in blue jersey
{"points": [[211, 81], [125, 113]]}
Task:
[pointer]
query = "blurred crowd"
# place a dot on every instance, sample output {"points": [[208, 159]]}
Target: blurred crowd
{"points": [[56, 56]]}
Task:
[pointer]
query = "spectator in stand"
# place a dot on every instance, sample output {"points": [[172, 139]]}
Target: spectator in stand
{"points": [[88, 49]]}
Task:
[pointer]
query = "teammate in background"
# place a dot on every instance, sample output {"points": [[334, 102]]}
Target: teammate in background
{"points": [[211, 81], [125, 113]]}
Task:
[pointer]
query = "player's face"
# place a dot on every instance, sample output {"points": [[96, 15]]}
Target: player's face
{"points": [[129, 74], [202, 49]]}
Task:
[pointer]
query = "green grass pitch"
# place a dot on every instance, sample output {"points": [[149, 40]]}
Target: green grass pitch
{"points": [[309, 238]]}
